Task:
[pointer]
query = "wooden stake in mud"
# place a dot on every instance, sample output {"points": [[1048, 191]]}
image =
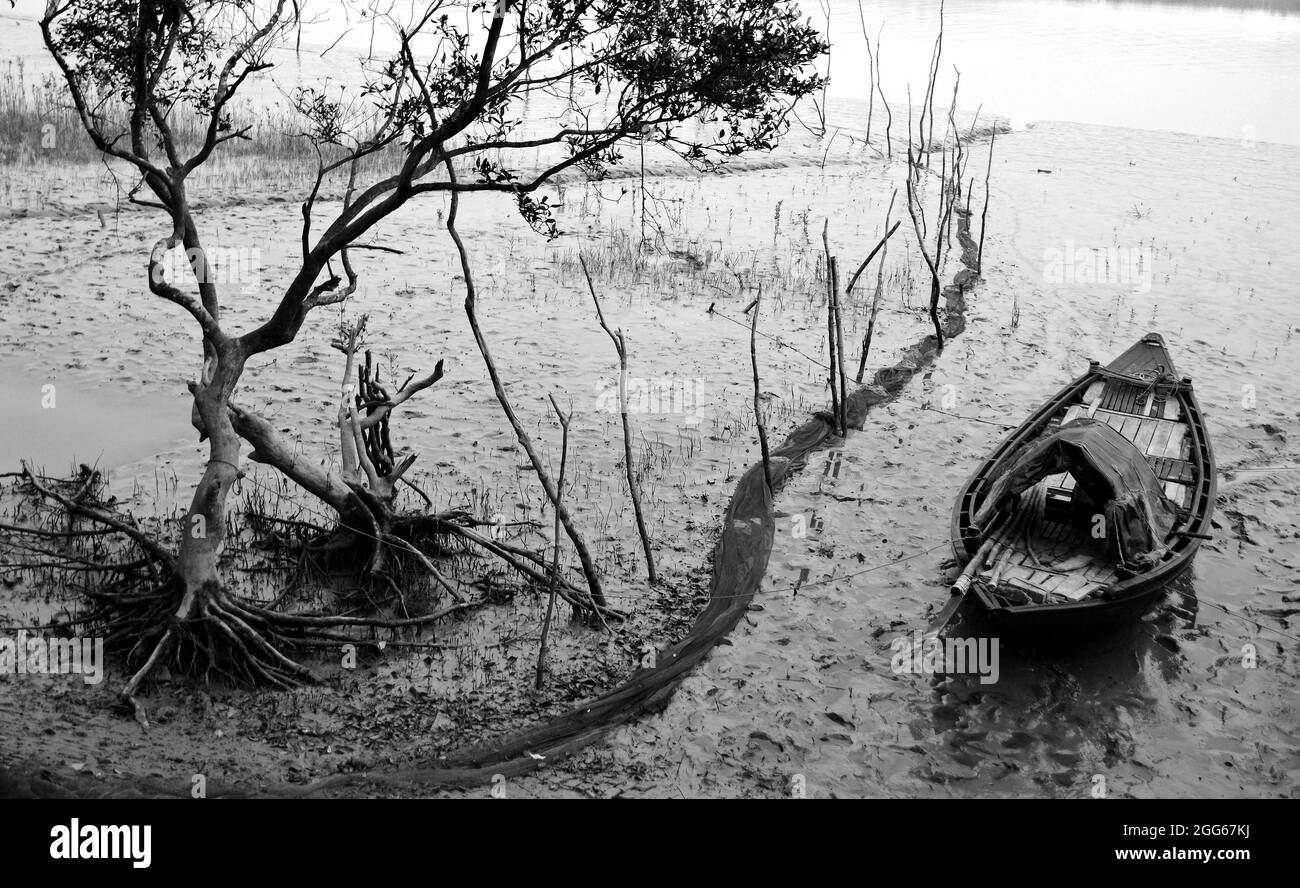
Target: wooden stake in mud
{"points": [[836, 394], [471, 314], [758, 397], [958, 154], [620, 346], [924, 136], [882, 248], [555, 557], [871, 70], [842, 417], [979, 259], [889, 115], [947, 200]]}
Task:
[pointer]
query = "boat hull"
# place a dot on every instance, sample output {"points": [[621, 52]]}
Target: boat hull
{"points": [[1127, 598]]}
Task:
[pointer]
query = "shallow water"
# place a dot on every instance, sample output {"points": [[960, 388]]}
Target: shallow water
{"points": [[58, 425], [1220, 67]]}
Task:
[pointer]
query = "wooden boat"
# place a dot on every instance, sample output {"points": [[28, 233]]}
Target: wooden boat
{"points": [[1038, 566]]}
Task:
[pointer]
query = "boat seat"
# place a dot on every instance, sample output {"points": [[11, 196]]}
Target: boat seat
{"points": [[1125, 397], [1120, 397]]}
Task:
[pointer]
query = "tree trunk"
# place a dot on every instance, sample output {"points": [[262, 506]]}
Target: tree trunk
{"points": [[204, 533]]}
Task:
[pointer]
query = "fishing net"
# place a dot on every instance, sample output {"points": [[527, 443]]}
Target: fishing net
{"points": [[1111, 475]]}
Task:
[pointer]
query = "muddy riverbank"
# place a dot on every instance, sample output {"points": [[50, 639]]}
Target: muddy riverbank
{"points": [[804, 695], [1096, 235]]}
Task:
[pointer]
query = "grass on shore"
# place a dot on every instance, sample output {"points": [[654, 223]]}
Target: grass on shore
{"points": [[38, 122]]}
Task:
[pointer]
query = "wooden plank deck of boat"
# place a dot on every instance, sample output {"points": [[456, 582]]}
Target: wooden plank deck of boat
{"points": [[1053, 560]]}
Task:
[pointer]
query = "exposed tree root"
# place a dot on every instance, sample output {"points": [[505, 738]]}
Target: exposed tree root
{"points": [[371, 535], [402, 542], [161, 610], [148, 615]]}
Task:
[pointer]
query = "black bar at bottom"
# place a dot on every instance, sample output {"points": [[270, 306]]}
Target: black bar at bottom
{"points": [[336, 839]]}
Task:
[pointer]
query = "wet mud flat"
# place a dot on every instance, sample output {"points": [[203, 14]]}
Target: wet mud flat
{"points": [[803, 693], [694, 422]]}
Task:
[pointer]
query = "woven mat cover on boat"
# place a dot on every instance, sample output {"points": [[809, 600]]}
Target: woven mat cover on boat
{"points": [[1109, 470]]}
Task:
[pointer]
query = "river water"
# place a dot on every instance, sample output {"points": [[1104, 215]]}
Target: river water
{"points": [[1207, 67]]}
